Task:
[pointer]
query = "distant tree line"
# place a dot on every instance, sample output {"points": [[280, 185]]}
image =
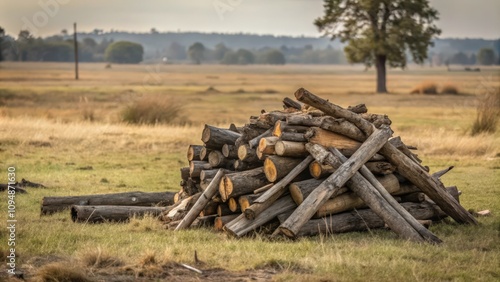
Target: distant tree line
{"points": [[59, 48]]}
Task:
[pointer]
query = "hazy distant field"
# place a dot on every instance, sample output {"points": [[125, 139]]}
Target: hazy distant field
{"points": [[45, 132]]}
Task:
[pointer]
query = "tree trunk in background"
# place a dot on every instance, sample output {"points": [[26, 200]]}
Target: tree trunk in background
{"points": [[381, 73]]}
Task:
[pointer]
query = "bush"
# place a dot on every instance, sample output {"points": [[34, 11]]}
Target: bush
{"points": [[153, 110], [425, 88], [449, 89], [488, 112]]}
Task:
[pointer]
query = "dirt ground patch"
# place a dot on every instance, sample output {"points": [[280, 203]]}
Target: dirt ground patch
{"points": [[54, 268]]}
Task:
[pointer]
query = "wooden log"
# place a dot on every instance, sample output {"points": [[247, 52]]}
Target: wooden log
{"points": [[377, 120], [241, 183], [293, 136], [440, 173], [406, 188], [289, 103], [247, 154], [398, 143], [250, 131], [453, 191], [204, 153], [223, 209], [414, 197], [349, 201], [276, 167], [329, 139], [210, 173], [195, 168], [320, 171], [55, 204], [300, 190], [180, 209], [358, 109], [339, 126], [233, 205], [255, 141], [209, 209], [247, 200], [99, 214], [202, 201], [266, 145], [184, 173], [360, 220], [191, 186], [385, 198], [380, 168], [276, 191], [216, 159], [221, 221], [215, 138], [263, 188], [405, 166], [193, 153], [241, 225], [240, 165], [290, 149], [230, 151], [282, 126]]}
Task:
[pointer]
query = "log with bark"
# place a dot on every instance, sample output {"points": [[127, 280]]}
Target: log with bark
{"points": [[214, 137], [362, 220], [276, 167], [54, 204], [193, 153], [241, 183], [99, 214]]}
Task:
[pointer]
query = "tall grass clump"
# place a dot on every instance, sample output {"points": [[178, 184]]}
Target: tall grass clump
{"points": [[488, 112], [425, 88], [153, 110], [449, 89]]}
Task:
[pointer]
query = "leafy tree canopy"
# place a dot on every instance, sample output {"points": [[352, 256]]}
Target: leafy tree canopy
{"points": [[124, 52]]}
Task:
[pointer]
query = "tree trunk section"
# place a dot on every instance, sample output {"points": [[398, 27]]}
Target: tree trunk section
{"points": [[329, 139], [54, 204], [99, 214], [380, 168], [241, 183], [290, 149], [381, 73], [215, 137], [276, 167], [193, 153], [221, 221], [230, 151], [195, 168], [247, 154]]}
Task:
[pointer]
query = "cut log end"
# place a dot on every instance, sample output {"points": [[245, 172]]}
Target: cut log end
{"points": [[270, 170]]}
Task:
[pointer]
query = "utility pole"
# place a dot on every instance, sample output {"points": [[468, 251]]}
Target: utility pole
{"points": [[76, 51]]}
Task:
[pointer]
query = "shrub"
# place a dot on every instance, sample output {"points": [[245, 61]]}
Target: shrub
{"points": [[152, 110], [488, 112], [425, 88], [61, 272], [449, 89]]}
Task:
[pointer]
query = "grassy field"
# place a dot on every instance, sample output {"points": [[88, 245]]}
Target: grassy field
{"points": [[52, 126]]}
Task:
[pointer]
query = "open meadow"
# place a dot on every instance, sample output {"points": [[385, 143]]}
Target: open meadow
{"points": [[69, 135]]}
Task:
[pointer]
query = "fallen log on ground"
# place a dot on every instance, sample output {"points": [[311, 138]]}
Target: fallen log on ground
{"points": [[99, 214], [54, 204]]}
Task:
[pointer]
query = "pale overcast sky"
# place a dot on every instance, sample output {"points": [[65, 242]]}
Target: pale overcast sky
{"points": [[458, 18]]}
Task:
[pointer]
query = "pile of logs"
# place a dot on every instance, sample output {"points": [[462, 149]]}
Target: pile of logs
{"points": [[311, 168]]}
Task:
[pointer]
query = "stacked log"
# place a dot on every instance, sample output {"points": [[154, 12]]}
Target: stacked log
{"points": [[310, 169]]}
